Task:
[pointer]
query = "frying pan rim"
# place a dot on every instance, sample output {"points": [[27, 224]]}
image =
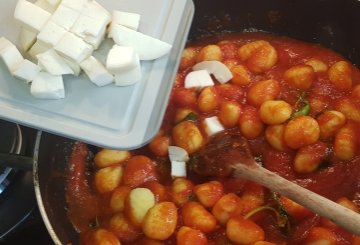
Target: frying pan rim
{"points": [[38, 196]]}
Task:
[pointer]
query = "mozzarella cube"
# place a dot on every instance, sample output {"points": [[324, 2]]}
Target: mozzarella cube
{"points": [[54, 3], [38, 48], [129, 20], [77, 5], [178, 154], [74, 48], [178, 169], [96, 72], [27, 38], [121, 58], [198, 79], [53, 63], [129, 77], [26, 71], [75, 67], [212, 125], [86, 26], [96, 11], [96, 41], [10, 54], [30, 15], [45, 5], [51, 34], [147, 47], [5, 44], [220, 71], [92, 23], [65, 17], [47, 86]]}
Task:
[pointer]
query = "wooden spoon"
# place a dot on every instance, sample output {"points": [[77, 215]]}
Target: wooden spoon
{"points": [[217, 159], [338, 214]]}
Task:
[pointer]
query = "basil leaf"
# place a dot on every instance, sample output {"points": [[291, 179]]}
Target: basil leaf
{"points": [[191, 117], [304, 111]]}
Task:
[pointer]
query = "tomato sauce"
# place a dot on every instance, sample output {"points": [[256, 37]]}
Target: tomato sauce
{"points": [[335, 172], [83, 204]]}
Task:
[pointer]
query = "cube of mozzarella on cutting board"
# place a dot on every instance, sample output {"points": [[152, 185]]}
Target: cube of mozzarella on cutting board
{"points": [[27, 38], [53, 63], [47, 86], [77, 5], [86, 26], [10, 54], [30, 15], [212, 125], [96, 41], [129, 77], [96, 72], [74, 48], [129, 20], [65, 17], [94, 10], [26, 71], [54, 3], [124, 63], [38, 48], [73, 65], [121, 58], [51, 34], [5, 44], [12, 58], [147, 47], [46, 5]]}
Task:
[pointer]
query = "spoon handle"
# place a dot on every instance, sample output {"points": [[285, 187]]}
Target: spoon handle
{"points": [[16, 161], [340, 215]]}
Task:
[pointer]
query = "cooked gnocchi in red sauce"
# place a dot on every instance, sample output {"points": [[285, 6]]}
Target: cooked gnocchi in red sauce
{"points": [[298, 107]]}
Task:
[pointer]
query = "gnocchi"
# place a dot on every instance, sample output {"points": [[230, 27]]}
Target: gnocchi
{"points": [[296, 105], [345, 142], [274, 135], [106, 157], [137, 204], [187, 235], [250, 123], [241, 76], [308, 158], [209, 52], [229, 113], [188, 136], [330, 122], [107, 179], [301, 131], [340, 74], [195, 215], [263, 91], [160, 221], [244, 231], [260, 55], [275, 112], [300, 76]]}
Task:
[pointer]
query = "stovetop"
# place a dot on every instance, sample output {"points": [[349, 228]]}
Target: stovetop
{"points": [[31, 231], [20, 220]]}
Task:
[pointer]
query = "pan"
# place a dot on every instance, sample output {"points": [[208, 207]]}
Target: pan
{"points": [[332, 23]]}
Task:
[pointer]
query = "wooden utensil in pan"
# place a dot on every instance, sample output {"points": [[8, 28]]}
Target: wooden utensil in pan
{"points": [[210, 163]]}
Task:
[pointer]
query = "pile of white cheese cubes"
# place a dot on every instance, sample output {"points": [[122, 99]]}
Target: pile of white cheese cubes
{"points": [[60, 36]]}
